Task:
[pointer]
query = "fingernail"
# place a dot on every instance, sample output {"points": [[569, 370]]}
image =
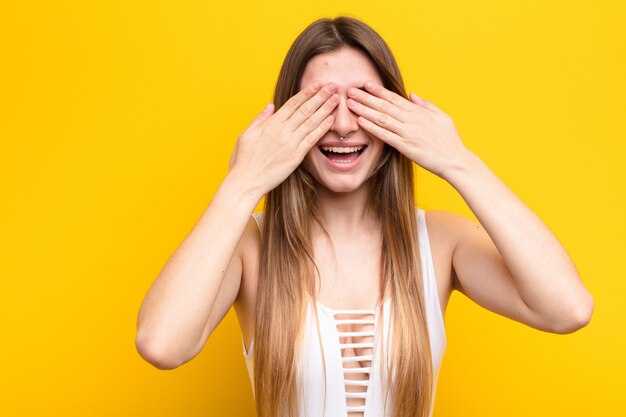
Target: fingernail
{"points": [[369, 85]]}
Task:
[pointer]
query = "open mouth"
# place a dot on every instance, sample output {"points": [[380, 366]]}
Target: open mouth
{"points": [[341, 154]]}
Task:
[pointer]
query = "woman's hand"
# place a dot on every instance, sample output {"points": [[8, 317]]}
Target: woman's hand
{"points": [[274, 144], [416, 128]]}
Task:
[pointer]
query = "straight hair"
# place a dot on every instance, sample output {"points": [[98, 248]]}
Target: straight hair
{"points": [[287, 267]]}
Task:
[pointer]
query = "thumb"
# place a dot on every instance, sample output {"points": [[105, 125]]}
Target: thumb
{"points": [[426, 104], [417, 100], [267, 112]]}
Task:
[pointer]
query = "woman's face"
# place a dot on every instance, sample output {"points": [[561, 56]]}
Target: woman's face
{"points": [[343, 166]]}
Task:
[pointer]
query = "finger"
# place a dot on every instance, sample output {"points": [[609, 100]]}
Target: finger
{"points": [[291, 105], [310, 124], [377, 90], [382, 106], [381, 133], [267, 112], [309, 108], [312, 138], [381, 119], [426, 104]]}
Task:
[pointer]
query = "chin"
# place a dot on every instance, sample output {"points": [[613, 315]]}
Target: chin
{"points": [[347, 184]]}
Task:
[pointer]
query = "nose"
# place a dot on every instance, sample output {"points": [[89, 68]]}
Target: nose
{"points": [[345, 119]]}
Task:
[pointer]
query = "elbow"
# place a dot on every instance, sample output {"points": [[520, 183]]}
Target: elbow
{"points": [[155, 356], [579, 319]]}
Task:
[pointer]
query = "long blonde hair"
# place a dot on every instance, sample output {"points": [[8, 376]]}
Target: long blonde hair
{"points": [[287, 267]]}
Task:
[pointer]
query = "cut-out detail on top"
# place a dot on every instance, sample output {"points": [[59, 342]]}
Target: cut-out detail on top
{"points": [[356, 330], [319, 396]]}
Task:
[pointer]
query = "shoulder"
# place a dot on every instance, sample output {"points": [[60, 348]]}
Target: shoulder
{"points": [[446, 227], [249, 250], [445, 230], [251, 239], [441, 232]]}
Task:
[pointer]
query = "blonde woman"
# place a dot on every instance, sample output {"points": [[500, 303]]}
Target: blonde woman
{"points": [[341, 284]]}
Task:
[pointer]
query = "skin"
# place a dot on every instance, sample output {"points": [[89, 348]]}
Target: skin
{"points": [[346, 68], [508, 262]]}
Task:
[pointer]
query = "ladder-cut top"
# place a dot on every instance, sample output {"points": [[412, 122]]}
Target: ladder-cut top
{"points": [[352, 350]]}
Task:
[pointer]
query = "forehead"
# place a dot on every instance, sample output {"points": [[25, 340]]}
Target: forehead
{"points": [[347, 67]]}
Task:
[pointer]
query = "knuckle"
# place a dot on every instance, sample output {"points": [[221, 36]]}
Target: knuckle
{"points": [[306, 110], [382, 119], [309, 140], [310, 124], [292, 104], [322, 127], [328, 106]]}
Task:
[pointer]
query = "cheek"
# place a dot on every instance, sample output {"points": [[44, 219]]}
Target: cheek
{"points": [[380, 151], [309, 156], [307, 162], [378, 146]]}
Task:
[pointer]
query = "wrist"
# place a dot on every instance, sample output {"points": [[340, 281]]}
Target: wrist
{"points": [[465, 165], [242, 188]]}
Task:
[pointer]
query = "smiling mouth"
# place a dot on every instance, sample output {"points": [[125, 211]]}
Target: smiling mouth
{"points": [[342, 155]]}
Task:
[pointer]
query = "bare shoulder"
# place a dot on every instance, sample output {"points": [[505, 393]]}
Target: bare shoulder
{"points": [[444, 229], [447, 225], [250, 252], [245, 304], [251, 237]]}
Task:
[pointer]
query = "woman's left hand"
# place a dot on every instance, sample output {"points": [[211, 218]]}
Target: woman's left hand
{"points": [[417, 128]]}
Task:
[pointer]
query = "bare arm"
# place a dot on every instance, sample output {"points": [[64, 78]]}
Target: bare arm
{"points": [[174, 313], [511, 263], [176, 316]]}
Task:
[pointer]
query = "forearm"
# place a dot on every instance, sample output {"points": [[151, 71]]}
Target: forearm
{"points": [[176, 308], [544, 274]]}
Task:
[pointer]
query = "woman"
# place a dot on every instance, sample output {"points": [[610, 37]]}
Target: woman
{"points": [[342, 270]]}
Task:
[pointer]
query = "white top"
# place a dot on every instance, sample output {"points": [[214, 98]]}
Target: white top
{"points": [[351, 386]]}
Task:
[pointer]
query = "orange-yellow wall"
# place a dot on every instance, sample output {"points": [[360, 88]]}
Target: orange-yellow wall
{"points": [[117, 119]]}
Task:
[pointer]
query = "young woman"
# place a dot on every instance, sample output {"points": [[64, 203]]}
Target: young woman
{"points": [[342, 283]]}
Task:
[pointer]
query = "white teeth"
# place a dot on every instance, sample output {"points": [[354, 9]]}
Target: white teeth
{"points": [[342, 149]]}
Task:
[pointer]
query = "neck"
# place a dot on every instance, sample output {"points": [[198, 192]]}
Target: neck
{"points": [[345, 213]]}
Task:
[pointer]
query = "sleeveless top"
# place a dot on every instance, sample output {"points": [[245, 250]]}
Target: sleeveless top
{"points": [[352, 387]]}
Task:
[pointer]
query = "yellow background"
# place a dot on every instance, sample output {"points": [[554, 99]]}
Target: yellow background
{"points": [[117, 119]]}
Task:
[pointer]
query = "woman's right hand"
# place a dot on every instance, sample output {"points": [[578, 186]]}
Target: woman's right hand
{"points": [[274, 144]]}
